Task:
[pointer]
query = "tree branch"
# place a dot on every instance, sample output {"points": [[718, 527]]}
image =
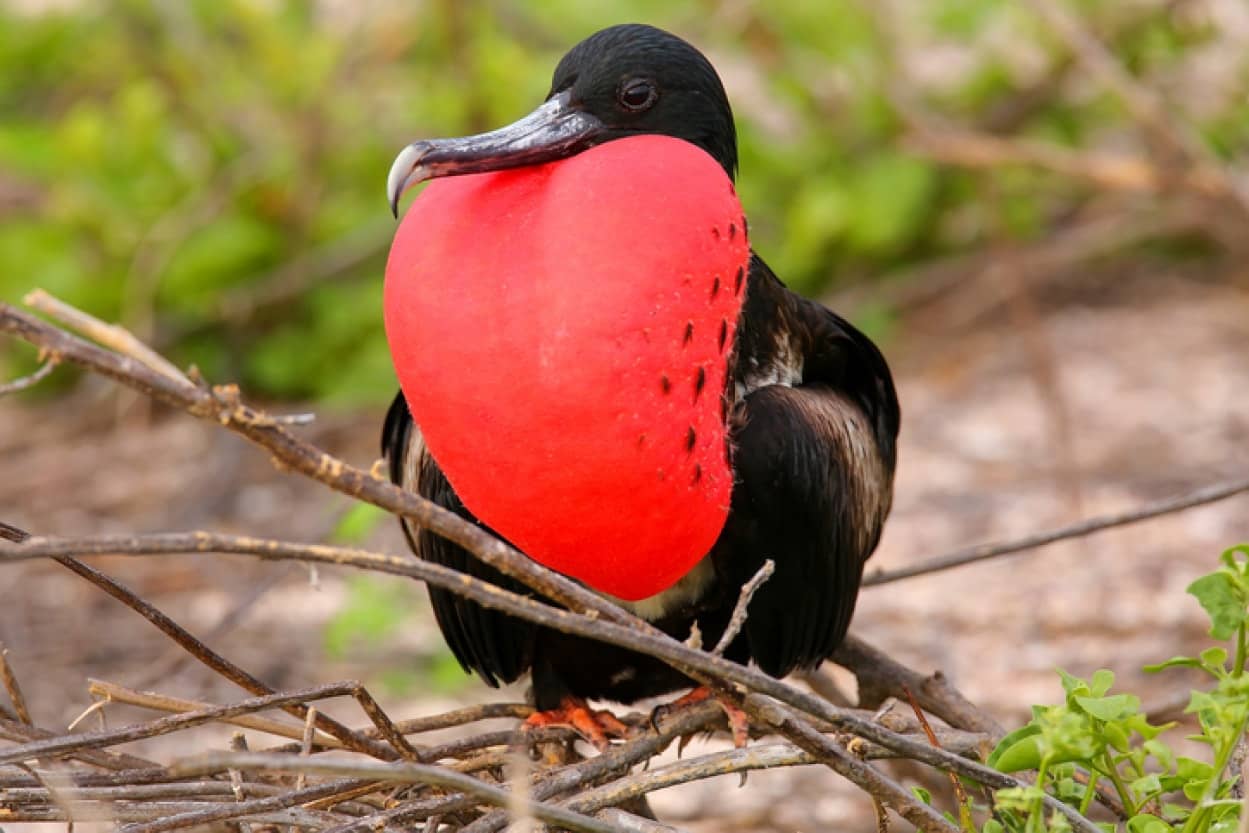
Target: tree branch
{"points": [[984, 552]]}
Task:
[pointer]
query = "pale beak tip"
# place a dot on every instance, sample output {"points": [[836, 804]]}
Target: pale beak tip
{"points": [[404, 173]]}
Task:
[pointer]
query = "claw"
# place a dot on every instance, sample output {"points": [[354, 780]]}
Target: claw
{"points": [[596, 726], [739, 722]]}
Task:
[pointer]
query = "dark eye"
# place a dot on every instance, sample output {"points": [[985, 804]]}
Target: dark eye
{"points": [[637, 94]]}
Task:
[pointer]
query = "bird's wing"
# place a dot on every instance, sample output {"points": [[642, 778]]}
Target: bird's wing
{"points": [[813, 466], [499, 648]]}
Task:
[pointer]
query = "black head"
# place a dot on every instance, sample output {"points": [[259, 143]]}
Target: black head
{"points": [[638, 79], [622, 81]]}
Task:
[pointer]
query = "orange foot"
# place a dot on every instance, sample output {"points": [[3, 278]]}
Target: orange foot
{"points": [[596, 726], [739, 723]]}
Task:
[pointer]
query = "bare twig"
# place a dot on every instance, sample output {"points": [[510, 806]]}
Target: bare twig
{"points": [[60, 746], [738, 619], [960, 794], [160, 702], [705, 665], [117, 761], [111, 336], [984, 552], [15, 691], [881, 677], [884, 789], [9, 532], [23, 382], [237, 675], [399, 772]]}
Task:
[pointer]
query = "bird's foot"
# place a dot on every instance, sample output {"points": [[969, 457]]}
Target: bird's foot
{"points": [[739, 723], [595, 725]]}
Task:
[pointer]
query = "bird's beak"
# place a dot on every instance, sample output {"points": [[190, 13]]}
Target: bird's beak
{"points": [[553, 131]]}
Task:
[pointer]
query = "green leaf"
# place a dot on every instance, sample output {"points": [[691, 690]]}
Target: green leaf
{"points": [[922, 794], [1025, 753], [1146, 823], [1010, 741], [1116, 736], [1101, 681], [1214, 659], [1112, 707], [1223, 603], [1147, 785]]}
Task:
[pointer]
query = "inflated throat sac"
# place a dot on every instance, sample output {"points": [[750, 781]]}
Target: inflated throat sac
{"points": [[561, 333]]}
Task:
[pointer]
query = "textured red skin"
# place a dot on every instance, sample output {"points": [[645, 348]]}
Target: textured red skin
{"points": [[533, 317]]}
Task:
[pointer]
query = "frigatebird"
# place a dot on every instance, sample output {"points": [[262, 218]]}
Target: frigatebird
{"points": [[605, 374]]}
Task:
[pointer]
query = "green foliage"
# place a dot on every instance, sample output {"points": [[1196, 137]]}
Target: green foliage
{"points": [[1096, 738], [210, 172]]}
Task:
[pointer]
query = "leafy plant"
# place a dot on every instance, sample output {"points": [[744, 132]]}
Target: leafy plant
{"points": [[1098, 739]]}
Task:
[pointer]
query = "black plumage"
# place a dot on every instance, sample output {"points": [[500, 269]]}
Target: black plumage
{"points": [[810, 402]]}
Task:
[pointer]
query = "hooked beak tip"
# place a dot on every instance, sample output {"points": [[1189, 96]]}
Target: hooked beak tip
{"points": [[405, 172]]}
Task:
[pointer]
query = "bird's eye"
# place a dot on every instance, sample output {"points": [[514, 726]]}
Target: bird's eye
{"points": [[637, 94]]}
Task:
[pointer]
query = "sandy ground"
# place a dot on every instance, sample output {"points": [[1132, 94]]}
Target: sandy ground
{"points": [[1007, 430]]}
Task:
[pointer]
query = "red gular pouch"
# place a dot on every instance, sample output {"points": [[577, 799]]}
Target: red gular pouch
{"points": [[561, 333]]}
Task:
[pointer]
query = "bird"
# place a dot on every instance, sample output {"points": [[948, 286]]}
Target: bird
{"points": [[597, 367]]}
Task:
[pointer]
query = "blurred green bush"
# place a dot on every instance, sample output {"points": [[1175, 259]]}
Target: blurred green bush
{"points": [[211, 173]]}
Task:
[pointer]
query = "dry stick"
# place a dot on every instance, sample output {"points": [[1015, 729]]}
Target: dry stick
{"points": [[141, 792], [117, 761], [615, 759], [662, 647], [960, 794], [59, 746], [8, 532], [115, 813], [160, 702], [983, 552], [411, 811], [15, 691], [757, 756], [884, 789], [880, 677], [116, 338], [630, 822], [238, 743], [24, 382], [459, 717], [738, 619], [400, 772], [305, 744], [245, 680], [169, 665]]}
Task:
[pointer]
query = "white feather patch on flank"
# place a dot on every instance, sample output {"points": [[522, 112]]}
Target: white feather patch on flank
{"points": [[783, 367], [413, 460], [687, 590]]}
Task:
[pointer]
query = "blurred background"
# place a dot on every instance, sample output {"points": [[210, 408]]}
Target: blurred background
{"points": [[1039, 209]]}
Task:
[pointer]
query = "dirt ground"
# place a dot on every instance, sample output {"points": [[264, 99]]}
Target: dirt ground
{"points": [[1008, 429]]}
